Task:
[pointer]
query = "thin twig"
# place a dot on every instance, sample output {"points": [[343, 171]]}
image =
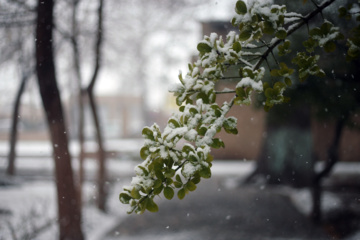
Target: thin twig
{"points": [[225, 92], [292, 29]]}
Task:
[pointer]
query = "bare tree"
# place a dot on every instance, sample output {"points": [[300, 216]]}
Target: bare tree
{"points": [[10, 170], [101, 200], [88, 94], [69, 214], [81, 94], [16, 22], [333, 158]]}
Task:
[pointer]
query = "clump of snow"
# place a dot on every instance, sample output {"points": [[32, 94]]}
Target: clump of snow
{"points": [[248, 82], [175, 87]]}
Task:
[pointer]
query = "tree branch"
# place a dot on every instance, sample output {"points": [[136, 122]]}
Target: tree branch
{"points": [[291, 29], [98, 45]]}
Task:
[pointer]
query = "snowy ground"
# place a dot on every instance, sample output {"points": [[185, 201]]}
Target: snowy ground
{"points": [[27, 202]]}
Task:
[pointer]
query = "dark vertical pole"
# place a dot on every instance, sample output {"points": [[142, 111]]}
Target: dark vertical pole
{"points": [[68, 207]]}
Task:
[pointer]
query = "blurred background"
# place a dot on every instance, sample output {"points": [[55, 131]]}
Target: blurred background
{"points": [[143, 47]]}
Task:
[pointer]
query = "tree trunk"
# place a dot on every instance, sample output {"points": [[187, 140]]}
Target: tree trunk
{"points": [[81, 95], [333, 158], [10, 170], [81, 137], [286, 154], [102, 191], [69, 214], [101, 177]]}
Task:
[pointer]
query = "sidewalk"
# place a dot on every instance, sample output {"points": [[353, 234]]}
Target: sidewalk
{"points": [[218, 211]]}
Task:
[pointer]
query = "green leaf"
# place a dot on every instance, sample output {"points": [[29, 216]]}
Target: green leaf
{"points": [[177, 184], [217, 143], [230, 126], [169, 173], [245, 34], [287, 44], [265, 86], [233, 21], [303, 76], [212, 97], [237, 47], [193, 111], [192, 158], [157, 183], [269, 93], [284, 48], [281, 34], [135, 193], [320, 73], [190, 67], [144, 153], [238, 101], [141, 208], [284, 70], [203, 48], [157, 164], [151, 205], [231, 130], [205, 173], [257, 34], [281, 18], [288, 81], [159, 175], [268, 28], [315, 32], [217, 110], [278, 86], [240, 92], [144, 170], [124, 198], [204, 97], [188, 148], [148, 133], [209, 158], [190, 186], [240, 7], [274, 73], [247, 72], [174, 123], [202, 130], [310, 44], [326, 27], [353, 53], [196, 179], [274, 9], [169, 181], [181, 193], [329, 46], [178, 178], [158, 190], [168, 193]]}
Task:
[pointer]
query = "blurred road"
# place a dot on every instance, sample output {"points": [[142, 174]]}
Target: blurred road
{"points": [[218, 210]]}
